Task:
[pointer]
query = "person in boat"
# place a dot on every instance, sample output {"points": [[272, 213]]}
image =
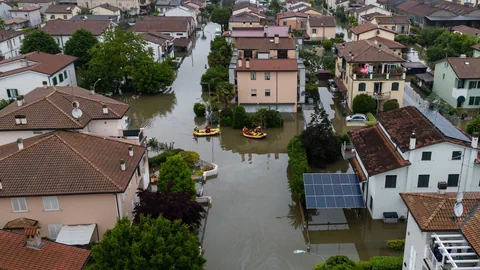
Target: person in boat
{"points": [[207, 129], [245, 129], [195, 129]]}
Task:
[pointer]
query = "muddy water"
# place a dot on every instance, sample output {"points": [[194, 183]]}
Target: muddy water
{"points": [[253, 222]]}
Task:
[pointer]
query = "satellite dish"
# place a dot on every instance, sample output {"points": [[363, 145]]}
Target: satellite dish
{"points": [[458, 209], [76, 112]]}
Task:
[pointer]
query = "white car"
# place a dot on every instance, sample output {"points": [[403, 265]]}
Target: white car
{"points": [[358, 117]]}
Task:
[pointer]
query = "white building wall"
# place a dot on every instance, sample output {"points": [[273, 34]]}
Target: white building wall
{"points": [[12, 136], [11, 47], [111, 127], [5, 11], [62, 40], [34, 17], [24, 82], [180, 11], [70, 81], [386, 199], [43, 6], [415, 240]]}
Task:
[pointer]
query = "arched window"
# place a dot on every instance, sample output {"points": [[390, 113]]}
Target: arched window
{"points": [[361, 87], [395, 86]]}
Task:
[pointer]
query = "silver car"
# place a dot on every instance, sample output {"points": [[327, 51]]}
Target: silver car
{"points": [[358, 117]]}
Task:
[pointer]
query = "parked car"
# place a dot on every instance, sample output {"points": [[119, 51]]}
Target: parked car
{"points": [[358, 117], [218, 32]]}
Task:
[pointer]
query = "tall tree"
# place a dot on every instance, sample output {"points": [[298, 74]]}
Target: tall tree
{"points": [[226, 92], [39, 41], [220, 52], [81, 42], [275, 6], [149, 76], [170, 205], [213, 76], [149, 244], [175, 176], [221, 16]]}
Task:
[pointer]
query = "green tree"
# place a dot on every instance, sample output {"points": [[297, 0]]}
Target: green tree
{"points": [[404, 39], [474, 125], [190, 157], [79, 44], [226, 92], [175, 176], [337, 262], [199, 109], [39, 41], [240, 117], [327, 45], [221, 16], [2, 24], [4, 103], [150, 244], [275, 6], [213, 76], [390, 105], [220, 53], [149, 76], [364, 103], [451, 45]]}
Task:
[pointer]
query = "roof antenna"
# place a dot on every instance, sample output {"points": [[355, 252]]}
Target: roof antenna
{"points": [[458, 208]]}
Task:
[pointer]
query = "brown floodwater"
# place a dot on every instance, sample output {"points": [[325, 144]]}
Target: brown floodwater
{"points": [[253, 222]]}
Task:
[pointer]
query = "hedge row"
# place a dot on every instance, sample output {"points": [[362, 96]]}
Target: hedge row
{"points": [[156, 161], [299, 165], [375, 263]]}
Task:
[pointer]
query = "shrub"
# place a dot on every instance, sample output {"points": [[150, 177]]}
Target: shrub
{"points": [[327, 45], [4, 103], [345, 138], [397, 244], [175, 176], [190, 157], [240, 117], [226, 112], [199, 109], [157, 160], [363, 265], [337, 262], [474, 125], [386, 263], [371, 120], [226, 121], [390, 105], [298, 164], [364, 103]]}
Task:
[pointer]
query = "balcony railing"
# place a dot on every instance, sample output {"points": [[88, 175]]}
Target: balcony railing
{"points": [[432, 260], [377, 76], [380, 96]]}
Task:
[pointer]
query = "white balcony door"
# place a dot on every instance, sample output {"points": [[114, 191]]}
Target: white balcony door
{"points": [[413, 258]]}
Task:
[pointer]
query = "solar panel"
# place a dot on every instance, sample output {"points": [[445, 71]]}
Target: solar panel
{"points": [[332, 190], [447, 128]]}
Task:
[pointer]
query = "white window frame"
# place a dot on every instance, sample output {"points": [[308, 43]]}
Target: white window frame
{"points": [[16, 202], [50, 203], [55, 228]]}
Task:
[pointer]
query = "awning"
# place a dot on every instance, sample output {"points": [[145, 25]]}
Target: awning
{"points": [[461, 99], [76, 234]]}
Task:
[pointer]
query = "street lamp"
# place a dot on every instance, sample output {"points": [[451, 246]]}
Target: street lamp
{"points": [[301, 251], [93, 90]]}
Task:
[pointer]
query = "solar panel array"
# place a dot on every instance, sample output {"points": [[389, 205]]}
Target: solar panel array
{"points": [[444, 125], [332, 190]]}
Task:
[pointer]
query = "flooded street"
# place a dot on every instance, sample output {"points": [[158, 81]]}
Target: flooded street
{"points": [[253, 222]]}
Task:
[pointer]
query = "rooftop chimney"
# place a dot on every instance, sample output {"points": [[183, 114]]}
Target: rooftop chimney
{"points": [[442, 187], [20, 143], [32, 236], [247, 63], [277, 39], [130, 150], [44, 83], [413, 141], [105, 109], [1, 187], [475, 140], [239, 63], [20, 101], [122, 164]]}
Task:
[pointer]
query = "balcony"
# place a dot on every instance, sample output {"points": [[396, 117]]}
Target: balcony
{"points": [[380, 96], [378, 76], [431, 260]]}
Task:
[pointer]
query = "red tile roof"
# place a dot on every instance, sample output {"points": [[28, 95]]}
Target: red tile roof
{"points": [[25, 8], [291, 14], [20, 223], [391, 44], [163, 24], [30, 230], [43, 63], [60, 9], [376, 152], [401, 123], [269, 65], [465, 67], [68, 27], [51, 108], [265, 44], [466, 30], [157, 38], [340, 85], [321, 21], [66, 162], [392, 19], [471, 230], [6, 34], [15, 21], [255, 32], [366, 51], [51, 256], [366, 27], [109, 7]]}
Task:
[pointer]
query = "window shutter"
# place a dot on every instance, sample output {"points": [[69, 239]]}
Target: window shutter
{"points": [[9, 94]]}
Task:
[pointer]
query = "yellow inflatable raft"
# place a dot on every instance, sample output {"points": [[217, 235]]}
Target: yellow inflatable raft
{"points": [[201, 132]]}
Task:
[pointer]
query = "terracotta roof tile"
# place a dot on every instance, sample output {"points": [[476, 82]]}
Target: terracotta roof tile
{"points": [[402, 122], [270, 65], [370, 16], [15, 256], [366, 27], [68, 27], [163, 24], [51, 108], [15, 21], [471, 230], [6, 34], [60, 9], [109, 7], [291, 14], [27, 8], [19, 223], [465, 68], [391, 44], [256, 32], [466, 30], [340, 85], [375, 150], [362, 9], [244, 17], [392, 19], [157, 38], [42, 62], [366, 51], [265, 44], [30, 230], [66, 162], [321, 21]]}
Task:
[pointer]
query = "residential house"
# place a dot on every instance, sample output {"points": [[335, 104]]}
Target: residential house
{"points": [[359, 12], [195, 3], [397, 23], [397, 47], [21, 74], [369, 67], [16, 24], [243, 20], [412, 150], [49, 108], [62, 30], [29, 13], [107, 9], [10, 42], [457, 81], [267, 74], [92, 17], [62, 11], [178, 27], [130, 6], [65, 178], [476, 50], [164, 5], [439, 236], [294, 20], [320, 27], [439, 13], [28, 250], [338, 3], [182, 12], [466, 30], [369, 17], [292, 4], [306, 9], [43, 4], [249, 8], [369, 30], [161, 45], [5, 10]]}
